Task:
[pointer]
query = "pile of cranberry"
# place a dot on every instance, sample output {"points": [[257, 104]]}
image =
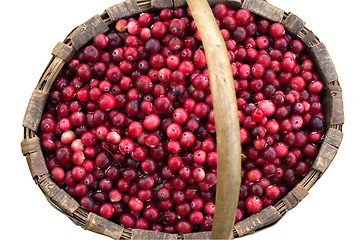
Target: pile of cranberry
{"points": [[128, 128]]}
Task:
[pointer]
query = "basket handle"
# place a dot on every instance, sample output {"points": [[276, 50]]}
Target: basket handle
{"points": [[226, 119]]}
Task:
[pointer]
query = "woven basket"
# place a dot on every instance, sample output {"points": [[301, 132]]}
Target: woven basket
{"points": [[64, 51]]}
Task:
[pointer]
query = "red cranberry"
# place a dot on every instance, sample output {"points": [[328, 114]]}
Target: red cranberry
{"points": [[254, 204]]}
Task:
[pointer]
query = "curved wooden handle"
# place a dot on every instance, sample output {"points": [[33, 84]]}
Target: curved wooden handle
{"points": [[226, 119]]}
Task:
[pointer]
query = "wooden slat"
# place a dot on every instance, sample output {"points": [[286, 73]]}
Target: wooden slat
{"points": [[293, 24], [35, 109], [160, 4], [256, 221], [87, 31], [333, 105], [98, 224], [179, 3], [65, 202], [30, 145], [49, 187], [264, 9], [324, 63], [226, 120], [328, 150], [124, 9], [147, 234], [63, 51], [36, 163]]}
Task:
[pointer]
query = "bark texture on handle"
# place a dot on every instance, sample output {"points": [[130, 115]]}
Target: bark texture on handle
{"points": [[226, 119]]}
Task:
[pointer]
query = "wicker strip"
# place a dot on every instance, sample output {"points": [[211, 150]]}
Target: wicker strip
{"points": [[65, 202], [49, 188], [334, 104], [310, 179], [147, 234], [124, 9], [51, 72], [214, 2], [35, 109], [264, 9], [326, 66], [295, 196], [80, 217], [179, 3], [87, 31], [197, 235], [261, 219], [325, 156], [98, 224], [293, 24], [160, 4], [63, 51], [324, 63], [308, 37], [236, 4], [30, 145], [299, 192], [334, 137], [36, 163]]}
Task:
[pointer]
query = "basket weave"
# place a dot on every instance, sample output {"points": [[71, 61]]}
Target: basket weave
{"points": [[64, 51]]}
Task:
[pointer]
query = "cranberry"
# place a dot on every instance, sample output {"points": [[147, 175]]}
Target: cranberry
{"points": [[57, 174], [276, 30], [254, 204], [100, 41], [84, 72], [106, 210], [183, 226], [47, 125], [127, 220], [135, 204], [220, 11], [151, 214], [174, 131], [267, 107], [151, 122]]}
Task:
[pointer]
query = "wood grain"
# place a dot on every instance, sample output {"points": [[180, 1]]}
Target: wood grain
{"points": [[226, 120]]}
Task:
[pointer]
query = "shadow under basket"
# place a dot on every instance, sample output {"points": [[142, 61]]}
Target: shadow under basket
{"points": [[81, 35]]}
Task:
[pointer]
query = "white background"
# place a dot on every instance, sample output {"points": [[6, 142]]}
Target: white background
{"points": [[30, 30]]}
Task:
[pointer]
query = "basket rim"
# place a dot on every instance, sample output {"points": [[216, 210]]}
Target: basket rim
{"points": [[65, 50]]}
